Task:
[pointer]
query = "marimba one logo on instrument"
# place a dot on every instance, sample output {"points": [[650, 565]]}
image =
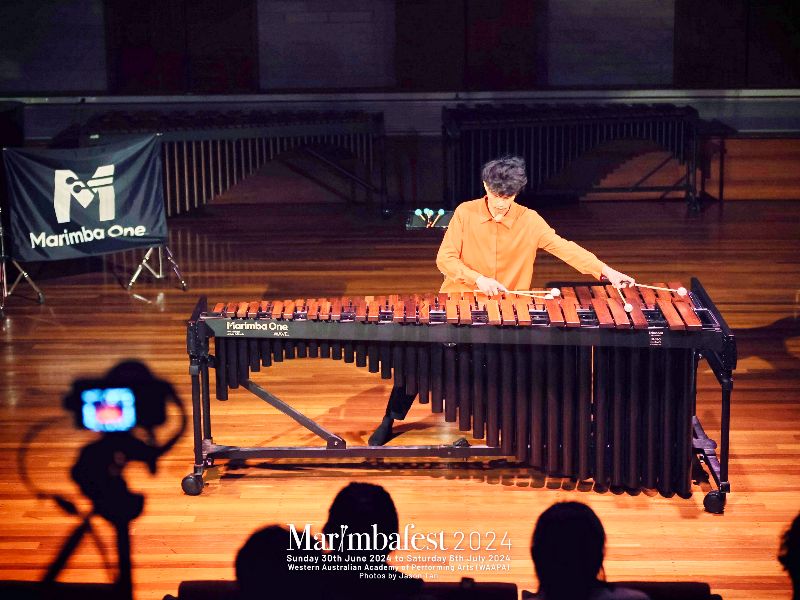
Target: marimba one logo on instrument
{"points": [[68, 185], [277, 329]]}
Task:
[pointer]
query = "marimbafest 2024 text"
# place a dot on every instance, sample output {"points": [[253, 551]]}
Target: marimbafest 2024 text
{"points": [[404, 540]]}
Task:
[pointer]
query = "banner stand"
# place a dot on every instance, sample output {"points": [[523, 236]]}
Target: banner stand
{"points": [[5, 290], [162, 251]]}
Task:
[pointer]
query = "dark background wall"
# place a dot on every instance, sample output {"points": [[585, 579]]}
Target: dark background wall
{"points": [[141, 47], [625, 43], [52, 47], [737, 44], [178, 46], [323, 44]]}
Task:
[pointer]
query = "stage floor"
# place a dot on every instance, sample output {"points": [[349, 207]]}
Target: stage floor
{"points": [[746, 254]]}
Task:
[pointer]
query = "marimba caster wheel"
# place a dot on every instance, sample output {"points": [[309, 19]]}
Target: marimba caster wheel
{"points": [[714, 502], [192, 485]]}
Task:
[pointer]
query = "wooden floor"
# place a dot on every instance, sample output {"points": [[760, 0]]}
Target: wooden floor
{"points": [[747, 255]]}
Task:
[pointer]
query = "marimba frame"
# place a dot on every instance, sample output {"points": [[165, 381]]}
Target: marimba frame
{"points": [[721, 357]]}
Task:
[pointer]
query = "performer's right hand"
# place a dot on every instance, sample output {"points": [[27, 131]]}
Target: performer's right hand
{"points": [[489, 286]]}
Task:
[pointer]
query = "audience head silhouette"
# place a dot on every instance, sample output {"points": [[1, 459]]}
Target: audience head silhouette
{"points": [[362, 508], [789, 555], [567, 550], [568, 547], [262, 571]]}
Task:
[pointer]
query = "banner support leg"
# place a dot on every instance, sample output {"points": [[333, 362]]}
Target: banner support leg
{"points": [[158, 274], [5, 290], [175, 269], [23, 274]]}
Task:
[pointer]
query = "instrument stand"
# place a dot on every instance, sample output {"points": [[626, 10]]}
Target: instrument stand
{"points": [[160, 273], [206, 451], [5, 290], [706, 448]]}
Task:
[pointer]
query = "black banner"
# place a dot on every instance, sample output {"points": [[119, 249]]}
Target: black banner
{"points": [[85, 201]]}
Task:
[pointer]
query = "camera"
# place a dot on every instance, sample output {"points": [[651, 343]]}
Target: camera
{"points": [[125, 399], [129, 396]]}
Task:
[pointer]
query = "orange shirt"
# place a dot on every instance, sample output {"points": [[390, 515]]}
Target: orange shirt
{"points": [[475, 244]]}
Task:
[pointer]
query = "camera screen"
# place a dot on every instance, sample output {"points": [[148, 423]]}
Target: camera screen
{"points": [[108, 409]]}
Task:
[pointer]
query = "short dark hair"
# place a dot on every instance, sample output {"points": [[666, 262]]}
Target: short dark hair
{"points": [[567, 548], [262, 561], [505, 176], [360, 506], [789, 555]]}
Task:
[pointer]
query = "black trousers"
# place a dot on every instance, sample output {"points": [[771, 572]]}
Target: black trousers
{"points": [[399, 403]]}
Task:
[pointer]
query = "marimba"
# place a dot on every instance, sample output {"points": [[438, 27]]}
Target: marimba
{"points": [[204, 153], [551, 137], [573, 386]]}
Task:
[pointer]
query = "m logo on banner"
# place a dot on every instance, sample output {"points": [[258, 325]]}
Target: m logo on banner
{"points": [[68, 185]]}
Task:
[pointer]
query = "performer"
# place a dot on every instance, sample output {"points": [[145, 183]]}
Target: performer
{"points": [[491, 245]]}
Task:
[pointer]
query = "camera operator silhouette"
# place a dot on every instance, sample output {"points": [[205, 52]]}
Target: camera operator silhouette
{"points": [[128, 398]]}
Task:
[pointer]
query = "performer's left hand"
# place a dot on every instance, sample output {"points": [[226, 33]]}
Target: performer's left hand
{"points": [[617, 279]]}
